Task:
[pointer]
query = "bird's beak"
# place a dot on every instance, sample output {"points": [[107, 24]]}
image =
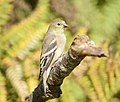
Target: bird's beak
{"points": [[65, 26]]}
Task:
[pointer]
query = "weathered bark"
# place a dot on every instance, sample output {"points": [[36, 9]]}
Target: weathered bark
{"points": [[80, 48]]}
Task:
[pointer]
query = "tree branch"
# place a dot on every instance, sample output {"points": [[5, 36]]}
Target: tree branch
{"points": [[80, 48]]}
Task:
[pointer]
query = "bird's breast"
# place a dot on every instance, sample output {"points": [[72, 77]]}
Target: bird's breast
{"points": [[61, 41]]}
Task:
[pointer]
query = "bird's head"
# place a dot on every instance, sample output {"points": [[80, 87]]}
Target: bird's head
{"points": [[58, 25]]}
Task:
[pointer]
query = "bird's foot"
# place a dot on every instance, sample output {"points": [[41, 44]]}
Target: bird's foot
{"points": [[47, 92]]}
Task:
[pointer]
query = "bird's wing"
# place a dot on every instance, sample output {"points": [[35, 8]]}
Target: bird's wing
{"points": [[48, 52]]}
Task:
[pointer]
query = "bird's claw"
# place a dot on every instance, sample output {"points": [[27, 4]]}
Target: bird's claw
{"points": [[48, 93]]}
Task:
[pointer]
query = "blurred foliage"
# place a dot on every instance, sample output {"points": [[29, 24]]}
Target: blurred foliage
{"points": [[23, 24]]}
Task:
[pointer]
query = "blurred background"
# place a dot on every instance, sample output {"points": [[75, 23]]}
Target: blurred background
{"points": [[23, 24]]}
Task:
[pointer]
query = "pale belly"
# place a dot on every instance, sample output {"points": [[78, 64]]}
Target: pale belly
{"points": [[60, 46]]}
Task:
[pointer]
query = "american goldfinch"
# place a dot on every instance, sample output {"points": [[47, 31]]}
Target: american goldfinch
{"points": [[52, 49]]}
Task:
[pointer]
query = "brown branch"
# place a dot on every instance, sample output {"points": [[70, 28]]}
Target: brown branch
{"points": [[80, 48]]}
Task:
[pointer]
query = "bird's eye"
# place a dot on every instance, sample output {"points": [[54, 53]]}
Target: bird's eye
{"points": [[58, 24]]}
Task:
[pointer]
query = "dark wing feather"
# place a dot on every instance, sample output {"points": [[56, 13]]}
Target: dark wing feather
{"points": [[47, 55]]}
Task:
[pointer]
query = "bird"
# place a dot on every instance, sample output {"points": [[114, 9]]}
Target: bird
{"points": [[52, 48]]}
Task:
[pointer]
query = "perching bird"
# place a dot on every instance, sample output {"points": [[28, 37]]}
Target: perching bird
{"points": [[53, 46]]}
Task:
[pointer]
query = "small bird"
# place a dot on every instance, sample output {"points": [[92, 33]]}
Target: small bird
{"points": [[53, 47]]}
